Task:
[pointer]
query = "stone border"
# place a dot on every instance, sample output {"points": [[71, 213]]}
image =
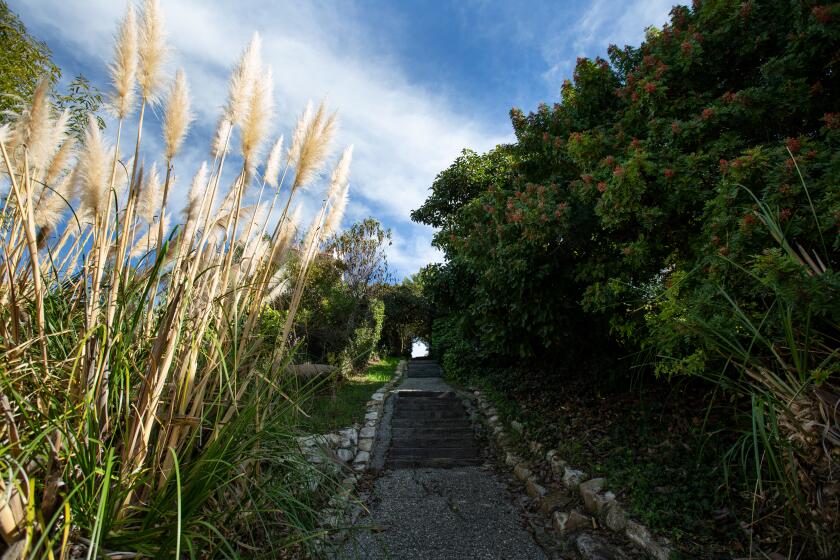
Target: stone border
{"points": [[602, 505], [352, 446], [345, 449]]}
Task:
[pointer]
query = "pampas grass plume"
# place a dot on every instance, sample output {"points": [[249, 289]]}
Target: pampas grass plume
{"points": [[260, 108], [151, 196], [34, 127], [336, 212], [92, 172], [60, 160], [178, 117], [151, 51], [123, 69], [54, 203], [271, 174], [316, 142], [242, 81], [220, 144], [299, 134]]}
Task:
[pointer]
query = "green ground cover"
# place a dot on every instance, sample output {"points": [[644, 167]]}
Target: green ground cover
{"points": [[328, 410]]}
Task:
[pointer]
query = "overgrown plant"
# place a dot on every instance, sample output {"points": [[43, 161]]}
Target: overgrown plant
{"points": [[782, 355], [137, 386]]}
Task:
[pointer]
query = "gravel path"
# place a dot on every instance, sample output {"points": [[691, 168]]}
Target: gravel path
{"points": [[440, 514]]}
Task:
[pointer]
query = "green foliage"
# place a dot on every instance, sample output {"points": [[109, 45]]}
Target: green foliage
{"points": [[678, 205], [24, 62], [366, 337], [360, 250], [348, 404], [341, 317], [407, 315], [82, 99]]}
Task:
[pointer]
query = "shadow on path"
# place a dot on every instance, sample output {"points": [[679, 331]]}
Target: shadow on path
{"points": [[435, 499]]}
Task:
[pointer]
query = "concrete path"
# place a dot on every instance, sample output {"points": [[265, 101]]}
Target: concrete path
{"points": [[455, 513]]}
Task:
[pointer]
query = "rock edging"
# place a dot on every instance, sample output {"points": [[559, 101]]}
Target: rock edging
{"points": [[602, 505], [352, 446], [348, 449]]}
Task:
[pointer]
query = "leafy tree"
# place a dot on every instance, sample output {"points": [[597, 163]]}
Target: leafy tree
{"points": [[407, 315], [361, 252], [81, 99], [679, 205], [24, 62]]}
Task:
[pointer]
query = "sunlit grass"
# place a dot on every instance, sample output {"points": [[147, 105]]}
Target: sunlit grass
{"points": [[345, 406]]}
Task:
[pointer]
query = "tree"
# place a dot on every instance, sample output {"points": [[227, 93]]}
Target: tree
{"points": [[361, 252], [82, 98], [407, 315], [24, 62], [678, 205]]}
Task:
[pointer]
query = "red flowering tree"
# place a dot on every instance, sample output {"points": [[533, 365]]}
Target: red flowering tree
{"points": [[681, 199]]}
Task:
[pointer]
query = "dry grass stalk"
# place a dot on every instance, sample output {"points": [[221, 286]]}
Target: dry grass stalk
{"points": [[140, 360]]}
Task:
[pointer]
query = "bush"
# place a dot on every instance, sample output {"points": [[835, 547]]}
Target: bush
{"points": [[679, 205]]}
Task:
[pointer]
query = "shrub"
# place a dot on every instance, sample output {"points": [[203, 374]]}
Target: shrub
{"points": [[678, 205]]}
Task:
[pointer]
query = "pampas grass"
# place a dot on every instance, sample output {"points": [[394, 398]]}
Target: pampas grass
{"points": [[123, 69], [177, 117], [136, 355], [152, 51], [271, 174], [92, 175], [242, 81]]}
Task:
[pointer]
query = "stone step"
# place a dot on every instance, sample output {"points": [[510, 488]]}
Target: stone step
{"points": [[440, 423], [405, 393], [432, 453], [431, 463], [443, 414], [427, 404], [434, 442], [430, 433]]}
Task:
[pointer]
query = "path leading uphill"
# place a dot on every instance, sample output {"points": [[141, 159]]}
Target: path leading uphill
{"points": [[435, 500]]}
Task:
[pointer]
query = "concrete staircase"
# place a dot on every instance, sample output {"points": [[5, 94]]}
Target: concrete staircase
{"points": [[430, 429]]}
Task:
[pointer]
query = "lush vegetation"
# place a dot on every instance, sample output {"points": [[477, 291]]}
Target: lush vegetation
{"points": [[347, 404], [341, 313], [145, 406], [407, 315], [675, 215]]}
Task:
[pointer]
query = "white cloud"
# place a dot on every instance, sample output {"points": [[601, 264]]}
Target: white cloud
{"points": [[403, 134], [405, 251], [605, 22]]}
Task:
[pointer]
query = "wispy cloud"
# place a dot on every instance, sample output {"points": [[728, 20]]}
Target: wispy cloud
{"points": [[603, 23], [404, 134]]}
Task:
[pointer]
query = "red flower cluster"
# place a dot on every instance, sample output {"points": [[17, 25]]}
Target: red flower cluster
{"points": [[793, 144], [822, 13], [669, 173], [707, 113]]}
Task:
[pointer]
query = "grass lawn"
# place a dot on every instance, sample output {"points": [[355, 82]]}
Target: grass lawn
{"points": [[328, 413]]}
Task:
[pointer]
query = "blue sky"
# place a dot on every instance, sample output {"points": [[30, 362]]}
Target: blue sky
{"points": [[414, 81]]}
